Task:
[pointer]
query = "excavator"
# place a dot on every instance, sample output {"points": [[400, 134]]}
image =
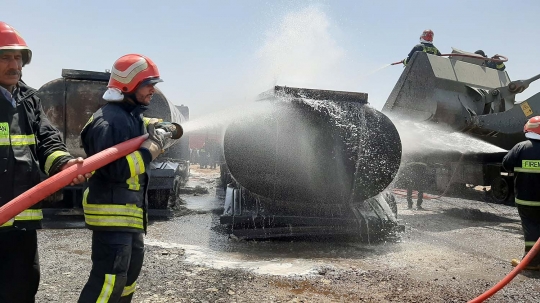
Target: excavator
{"points": [[462, 117]]}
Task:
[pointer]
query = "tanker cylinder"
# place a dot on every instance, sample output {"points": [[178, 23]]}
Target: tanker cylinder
{"points": [[312, 152]]}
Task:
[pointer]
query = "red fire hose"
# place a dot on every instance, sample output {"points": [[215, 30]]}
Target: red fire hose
{"points": [[524, 262], [65, 177], [504, 59]]}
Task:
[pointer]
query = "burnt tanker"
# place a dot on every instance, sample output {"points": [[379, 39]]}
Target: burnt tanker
{"points": [[461, 98], [70, 101], [315, 162]]}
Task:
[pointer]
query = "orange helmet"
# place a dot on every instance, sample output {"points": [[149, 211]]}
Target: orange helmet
{"points": [[10, 39], [427, 36], [532, 126], [128, 73]]}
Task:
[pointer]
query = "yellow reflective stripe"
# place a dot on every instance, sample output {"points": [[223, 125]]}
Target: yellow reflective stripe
{"points": [[135, 163], [17, 140], [113, 221], [8, 223], [529, 244], [50, 159], [23, 139], [527, 203], [128, 290], [146, 120], [133, 183], [527, 170], [30, 215], [532, 164], [107, 289], [500, 65], [130, 210], [89, 121]]}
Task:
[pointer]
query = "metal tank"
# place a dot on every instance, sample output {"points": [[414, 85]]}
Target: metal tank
{"points": [[461, 95], [69, 102], [315, 162]]}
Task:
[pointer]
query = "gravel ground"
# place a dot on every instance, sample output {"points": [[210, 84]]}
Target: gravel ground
{"points": [[450, 252]]}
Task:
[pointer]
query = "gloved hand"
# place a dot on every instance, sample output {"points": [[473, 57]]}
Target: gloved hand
{"points": [[154, 143]]}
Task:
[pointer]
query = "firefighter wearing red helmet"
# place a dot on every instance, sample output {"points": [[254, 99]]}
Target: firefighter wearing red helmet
{"points": [[524, 161], [114, 203], [425, 45], [25, 132]]}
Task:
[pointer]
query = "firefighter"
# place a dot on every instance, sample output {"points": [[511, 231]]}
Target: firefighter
{"points": [[28, 143], [425, 45], [414, 174], [524, 160], [115, 201], [488, 63]]}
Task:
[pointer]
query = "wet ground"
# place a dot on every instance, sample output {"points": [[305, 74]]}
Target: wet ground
{"points": [[450, 252]]}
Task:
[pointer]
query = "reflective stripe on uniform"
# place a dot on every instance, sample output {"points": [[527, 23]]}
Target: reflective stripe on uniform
{"points": [[113, 215], [50, 159], [146, 120], [430, 50], [501, 65], [107, 289], [17, 140], [529, 244], [113, 221], [30, 215], [527, 203], [133, 183], [136, 163], [128, 290], [8, 223]]}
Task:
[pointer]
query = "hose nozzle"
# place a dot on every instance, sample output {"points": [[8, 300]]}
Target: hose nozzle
{"points": [[171, 130]]}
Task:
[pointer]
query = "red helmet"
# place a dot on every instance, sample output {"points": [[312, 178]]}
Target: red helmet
{"points": [[128, 72], [10, 39], [427, 36], [533, 125]]}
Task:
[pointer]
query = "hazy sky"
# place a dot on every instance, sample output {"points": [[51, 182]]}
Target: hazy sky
{"points": [[217, 54]]}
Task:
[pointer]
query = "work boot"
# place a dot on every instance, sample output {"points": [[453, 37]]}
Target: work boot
{"points": [[515, 262], [419, 207], [409, 204]]}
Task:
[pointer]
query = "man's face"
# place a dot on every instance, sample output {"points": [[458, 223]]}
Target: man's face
{"points": [[10, 67], [144, 93]]}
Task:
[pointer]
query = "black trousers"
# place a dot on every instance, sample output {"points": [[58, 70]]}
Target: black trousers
{"points": [[409, 197], [117, 259], [19, 266], [530, 222]]}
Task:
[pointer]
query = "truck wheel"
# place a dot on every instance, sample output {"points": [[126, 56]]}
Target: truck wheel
{"points": [[501, 190], [158, 198]]}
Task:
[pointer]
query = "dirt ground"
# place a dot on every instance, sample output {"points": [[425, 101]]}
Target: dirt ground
{"points": [[450, 252]]}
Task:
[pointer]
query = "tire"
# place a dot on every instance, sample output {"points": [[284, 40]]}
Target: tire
{"points": [[502, 190]]}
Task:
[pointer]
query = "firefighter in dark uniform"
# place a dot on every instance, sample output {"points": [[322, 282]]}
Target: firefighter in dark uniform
{"points": [[115, 202], [414, 174], [524, 160], [491, 64], [425, 45], [28, 143]]}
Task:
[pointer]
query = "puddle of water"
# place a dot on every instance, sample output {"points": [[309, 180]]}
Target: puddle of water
{"points": [[198, 255]]}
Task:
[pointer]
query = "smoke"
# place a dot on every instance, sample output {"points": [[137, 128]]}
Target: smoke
{"points": [[300, 51]]}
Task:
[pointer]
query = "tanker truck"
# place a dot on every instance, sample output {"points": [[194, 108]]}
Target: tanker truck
{"points": [[461, 117], [316, 162], [69, 102]]}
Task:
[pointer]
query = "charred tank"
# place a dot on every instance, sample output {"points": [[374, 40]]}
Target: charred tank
{"points": [[316, 162]]}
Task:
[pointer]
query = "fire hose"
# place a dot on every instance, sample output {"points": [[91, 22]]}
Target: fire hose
{"points": [[65, 177], [504, 59], [524, 262], [56, 182]]}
